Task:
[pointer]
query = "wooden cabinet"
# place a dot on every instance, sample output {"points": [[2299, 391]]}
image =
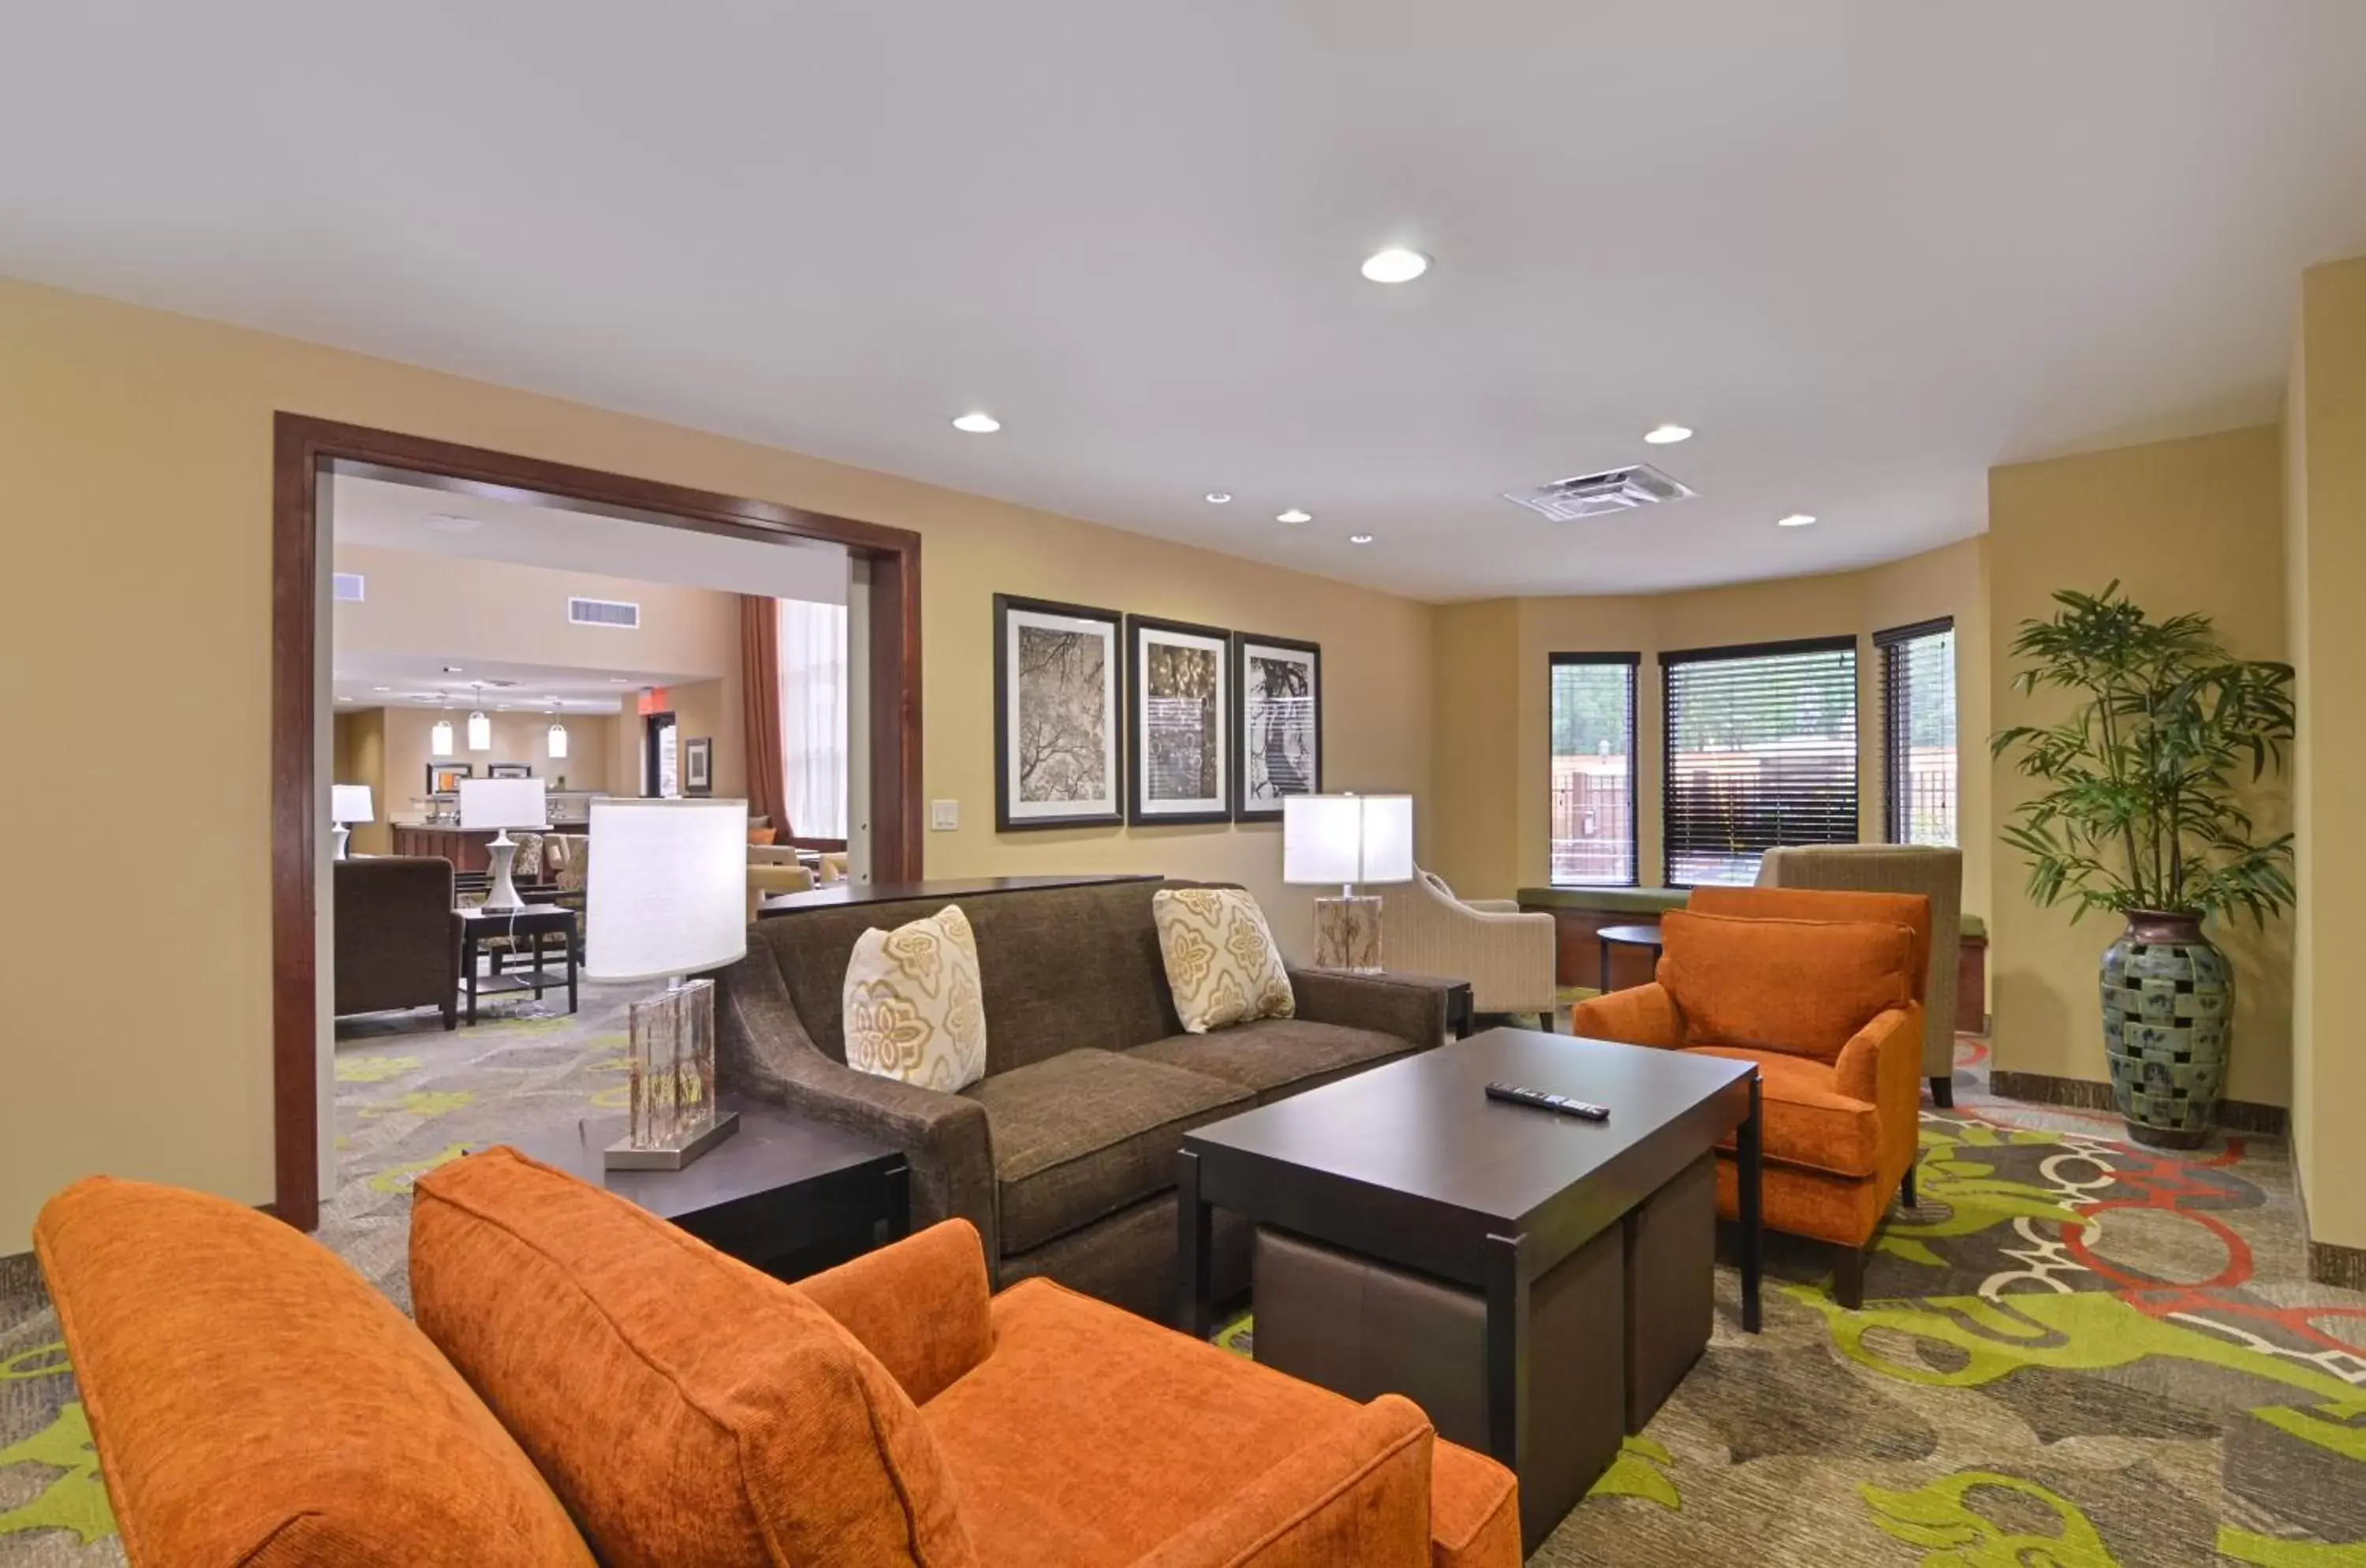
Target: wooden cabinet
{"points": [[465, 850]]}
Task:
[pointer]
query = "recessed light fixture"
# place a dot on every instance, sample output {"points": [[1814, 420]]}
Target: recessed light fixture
{"points": [[978, 424], [1668, 434], [345, 699], [618, 681], [1219, 497], [381, 688], [1796, 520], [451, 669], [1293, 515], [1395, 265], [1360, 539]]}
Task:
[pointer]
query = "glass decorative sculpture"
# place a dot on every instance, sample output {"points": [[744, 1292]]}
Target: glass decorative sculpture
{"points": [[671, 1060]]}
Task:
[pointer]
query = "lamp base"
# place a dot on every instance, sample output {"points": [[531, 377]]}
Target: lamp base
{"points": [[623, 1155], [1347, 934], [504, 896], [338, 835], [672, 1058]]}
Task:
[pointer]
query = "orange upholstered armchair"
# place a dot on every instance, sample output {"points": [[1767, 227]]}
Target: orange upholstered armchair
{"points": [[1823, 991]]}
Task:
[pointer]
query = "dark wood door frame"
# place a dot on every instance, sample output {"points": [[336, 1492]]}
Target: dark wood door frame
{"points": [[304, 451]]}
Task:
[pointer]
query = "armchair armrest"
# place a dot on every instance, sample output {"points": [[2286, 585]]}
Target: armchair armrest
{"points": [[1412, 1010], [1640, 1015], [1493, 905], [919, 1305], [1882, 1064], [763, 1049], [1358, 1493]]}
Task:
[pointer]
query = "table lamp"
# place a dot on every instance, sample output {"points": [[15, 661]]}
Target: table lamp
{"points": [[666, 898], [501, 804], [1339, 840], [348, 803]]}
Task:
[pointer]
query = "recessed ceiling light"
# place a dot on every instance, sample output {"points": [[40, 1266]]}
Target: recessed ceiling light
{"points": [[978, 424], [345, 699], [1796, 520], [1395, 265], [451, 669], [1293, 515], [381, 688], [618, 681], [1360, 539], [1219, 497], [1668, 434]]}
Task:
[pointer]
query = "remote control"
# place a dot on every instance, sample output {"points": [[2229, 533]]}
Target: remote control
{"points": [[1516, 1095]]}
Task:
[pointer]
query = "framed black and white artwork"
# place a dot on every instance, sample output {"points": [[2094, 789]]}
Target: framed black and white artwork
{"points": [[1179, 722], [1056, 712], [1277, 749], [698, 765]]}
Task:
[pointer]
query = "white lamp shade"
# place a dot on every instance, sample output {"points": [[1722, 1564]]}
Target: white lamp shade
{"points": [[350, 803], [503, 803], [439, 739], [1334, 840], [480, 732], [557, 742], [666, 894]]}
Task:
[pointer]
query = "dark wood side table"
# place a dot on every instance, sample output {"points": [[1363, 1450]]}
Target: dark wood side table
{"points": [[787, 1195], [1624, 936], [534, 925]]}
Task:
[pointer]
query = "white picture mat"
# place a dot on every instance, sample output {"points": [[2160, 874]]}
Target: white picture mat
{"points": [[1109, 802], [1146, 717], [1252, 653]]}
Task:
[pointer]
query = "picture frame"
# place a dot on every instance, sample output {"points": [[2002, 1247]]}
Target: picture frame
{"points": [[1179, 722], [1277, 723], [443, 778], [508, 769], [1058, 708], [698, 765]]}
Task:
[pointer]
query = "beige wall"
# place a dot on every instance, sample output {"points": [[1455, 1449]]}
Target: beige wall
{"points": [[142, 442], [2183, 525], [712, 709], [518, 737], [1492, 714], [358, 755], [2324, 581]]}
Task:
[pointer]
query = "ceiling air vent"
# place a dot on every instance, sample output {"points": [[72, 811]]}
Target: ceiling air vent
{"points": [[603, 613], [346, 587], [1591, 495]]}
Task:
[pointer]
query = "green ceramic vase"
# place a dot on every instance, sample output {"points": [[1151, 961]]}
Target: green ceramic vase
{"points": [[2169, 1018]]}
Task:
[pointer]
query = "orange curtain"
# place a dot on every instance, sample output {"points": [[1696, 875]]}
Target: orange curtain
{"points": [[760, 679]]}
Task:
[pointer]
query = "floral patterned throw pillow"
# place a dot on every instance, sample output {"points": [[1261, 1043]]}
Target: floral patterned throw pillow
{"points": [[1222, 963], [912, 1007]]}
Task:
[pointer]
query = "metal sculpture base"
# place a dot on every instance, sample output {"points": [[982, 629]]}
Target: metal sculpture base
{"points": [[622, 1155]]}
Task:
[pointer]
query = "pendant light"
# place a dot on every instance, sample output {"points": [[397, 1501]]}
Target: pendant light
{"points": [[557, 738], [439, 737], [481, 728]]}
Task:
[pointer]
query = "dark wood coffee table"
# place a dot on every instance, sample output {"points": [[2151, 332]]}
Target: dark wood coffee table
{"points": [[785, 1194], [1410, 1165]]}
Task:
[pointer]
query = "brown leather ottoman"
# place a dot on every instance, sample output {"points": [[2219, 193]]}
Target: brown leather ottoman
{"points": [[1671, 1286], [1362, 1329]]}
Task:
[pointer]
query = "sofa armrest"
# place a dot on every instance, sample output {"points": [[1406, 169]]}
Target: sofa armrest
{"points": [[1412, 1010], [763, 1049], [1640, 1015], [919, 1305], [1882, 1064], [1358, 1493]]}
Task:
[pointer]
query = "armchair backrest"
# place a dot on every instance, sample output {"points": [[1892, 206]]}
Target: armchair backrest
{"points": [[1909, 910], [1788, 972], [1933, 871], [395, 945]]}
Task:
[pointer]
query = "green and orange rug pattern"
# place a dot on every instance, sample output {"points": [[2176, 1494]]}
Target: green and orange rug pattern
{"points": [[2075, 1352]]}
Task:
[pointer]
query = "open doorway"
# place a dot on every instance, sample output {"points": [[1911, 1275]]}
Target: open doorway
{"points": [[480, 517]]}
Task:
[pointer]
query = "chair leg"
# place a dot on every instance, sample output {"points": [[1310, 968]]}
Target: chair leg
{"points": [[1906, 1188], [1943, 1093], [1848, 1277]]}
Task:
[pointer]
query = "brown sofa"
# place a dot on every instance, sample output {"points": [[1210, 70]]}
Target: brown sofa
{"points": [[396, 946], [584, 1376], [1062, 1156]]}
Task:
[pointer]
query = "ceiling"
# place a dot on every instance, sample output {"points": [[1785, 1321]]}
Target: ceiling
{"points": [[420, 681], [1866, 249]]}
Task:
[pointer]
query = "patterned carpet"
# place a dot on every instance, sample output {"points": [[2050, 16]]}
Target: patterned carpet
{"points": [[2083, 1353]]}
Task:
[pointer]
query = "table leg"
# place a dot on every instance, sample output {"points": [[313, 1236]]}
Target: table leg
{"points": [[1605, 975], [1507, 1352], [468, 966], [1749, 1167], [568, 938], [1195, 1240], [535, 958]]}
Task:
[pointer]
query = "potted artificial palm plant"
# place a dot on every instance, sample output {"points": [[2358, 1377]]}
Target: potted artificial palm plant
{"points": [[2140, 817]]}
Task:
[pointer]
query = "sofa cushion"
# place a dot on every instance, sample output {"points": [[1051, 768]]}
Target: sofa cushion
{"points": [[1056, 1465], [1222, 963], [685, 1407], [1804, 1120], [255, 1401], [1802, 987], [1275, 1056], [1087, 1132], [913, 1008]]}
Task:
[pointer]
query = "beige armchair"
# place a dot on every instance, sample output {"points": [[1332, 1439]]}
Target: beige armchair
{"points": [[764, 881], [1935, 873], [1507, 956]]}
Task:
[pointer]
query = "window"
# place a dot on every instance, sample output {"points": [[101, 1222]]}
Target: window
{"points": [[812, 717], [660, 758], [1761, 751], [1594, 769], [1917, 732]]}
